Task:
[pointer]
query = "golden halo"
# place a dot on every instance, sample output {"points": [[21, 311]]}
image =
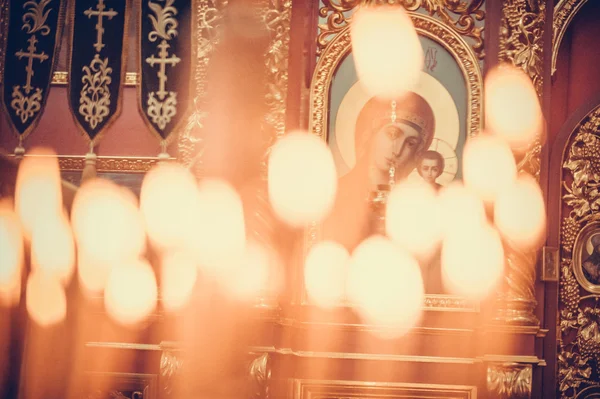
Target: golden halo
{"points": [[447, 126]]}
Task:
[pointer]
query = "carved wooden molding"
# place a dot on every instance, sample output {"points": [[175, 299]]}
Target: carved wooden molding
{"points": [[564, 12], [509, 380]]}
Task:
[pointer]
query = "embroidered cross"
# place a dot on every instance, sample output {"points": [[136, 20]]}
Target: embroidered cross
{"points": [[100, 13], [31, 55], [162, 61]]}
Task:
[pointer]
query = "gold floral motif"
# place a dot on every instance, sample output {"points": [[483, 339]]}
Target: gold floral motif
{"points": [[521, 37], [579, 319], [163, 21], [459, 15], [509, 380], [34, 19], [564, 11], [26, 106], [521, 44], [209, 16], [94, 100], [161, 112]]}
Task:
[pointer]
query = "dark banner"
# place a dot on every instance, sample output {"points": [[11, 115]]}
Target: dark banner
{"points": [[165, 46], [97, 37], [34, 29]]}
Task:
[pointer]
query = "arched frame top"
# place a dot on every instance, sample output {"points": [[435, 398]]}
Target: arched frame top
{"points": [[564, 12], [341, 45]]}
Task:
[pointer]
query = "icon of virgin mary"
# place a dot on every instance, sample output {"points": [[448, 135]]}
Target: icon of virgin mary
{"points": [[390, 137]]}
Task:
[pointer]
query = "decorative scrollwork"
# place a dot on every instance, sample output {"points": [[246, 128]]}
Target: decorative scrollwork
{"points": [[164, 21], [94, 100], [462, 16], [34, 19], [509, 380], [26, 106], [522, 37], [579, 317], [161, 112]]}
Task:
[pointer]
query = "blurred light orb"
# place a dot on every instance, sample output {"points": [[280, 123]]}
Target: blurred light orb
{"points": [[130, 295], [107, 224], [169, 202], [512, 108], [251, 276], [302, 179], [413, 217], [92, 273], [45, 298], [472, 261], [325, 273], [386, 286], [178, 278], [53, 248], [460, 207], [219, 241], [11, 246], [520, 213], [488, 166], [38, 177], [384, 71]]}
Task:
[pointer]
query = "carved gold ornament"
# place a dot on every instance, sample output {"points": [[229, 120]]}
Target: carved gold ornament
{"points": [[94, 100], [564, 12], [510, 380], [461, 16], [579, 313]]}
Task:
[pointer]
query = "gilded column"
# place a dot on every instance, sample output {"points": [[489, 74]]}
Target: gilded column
{"points": [[521, 43]]}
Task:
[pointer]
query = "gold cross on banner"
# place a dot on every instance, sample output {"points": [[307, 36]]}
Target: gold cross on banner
{"points": [[31, 55], [162, 61], [100, 13]]}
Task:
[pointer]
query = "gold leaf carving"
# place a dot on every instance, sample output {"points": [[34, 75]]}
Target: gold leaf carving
{"points": [[579, 319], [259, 377], [161, 112], [459, 15], [509, 380], [34, 19], [170, 367], [209, 16], [94, 100], [26, 106], [163, 21]]}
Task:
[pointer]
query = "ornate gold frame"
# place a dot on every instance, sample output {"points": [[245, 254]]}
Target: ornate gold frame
{"points": [[584, 233], [61, 78], [333, 54]]}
